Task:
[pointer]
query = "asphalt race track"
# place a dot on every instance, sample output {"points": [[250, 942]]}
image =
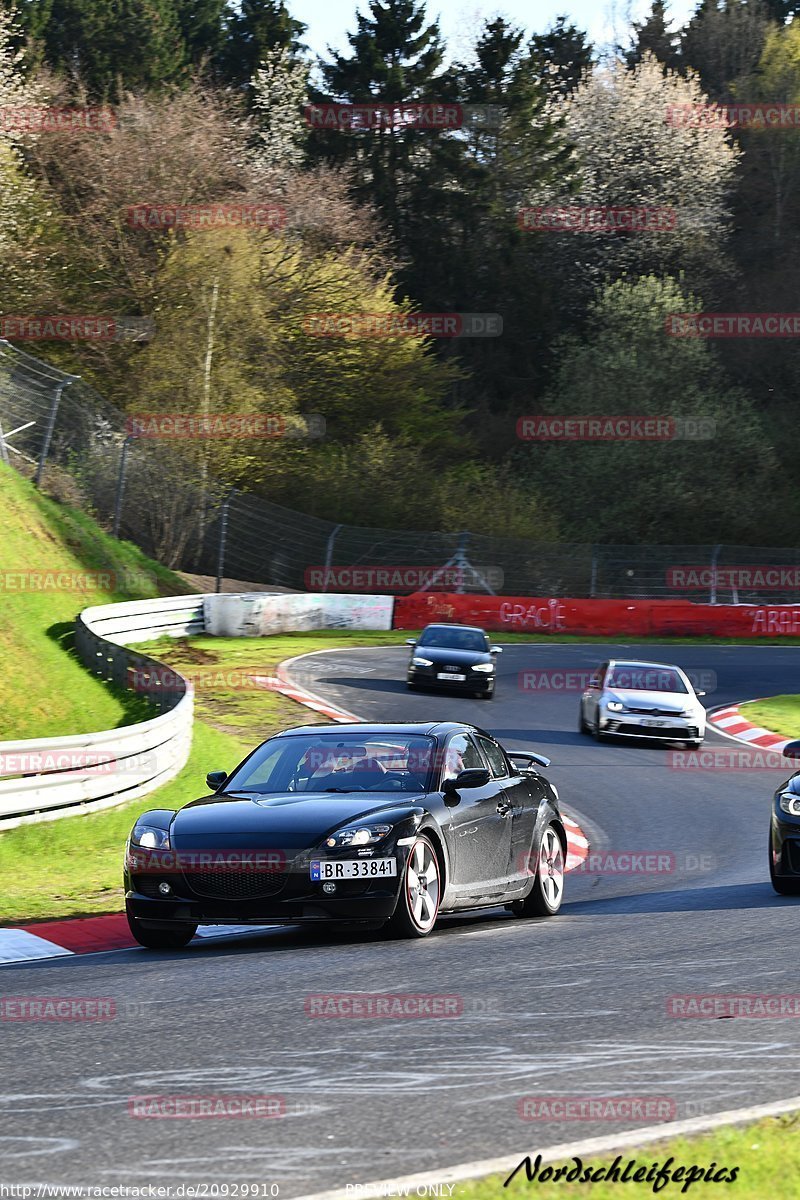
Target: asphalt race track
{"points": [[574, 1006]]}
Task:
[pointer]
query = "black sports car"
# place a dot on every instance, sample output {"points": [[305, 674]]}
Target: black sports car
{"points": [[352, 823], [453, 656], [784, 833]]}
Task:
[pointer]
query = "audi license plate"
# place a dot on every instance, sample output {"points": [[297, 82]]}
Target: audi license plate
{"points": [[451, 676], [353, 868]]}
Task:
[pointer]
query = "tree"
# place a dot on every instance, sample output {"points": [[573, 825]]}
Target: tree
{"points": [[723, 42], [654, 35], [632, 156], [649, 491], [562, 55], [202, 26], [254, 29], [110, 46], [280, 90]]}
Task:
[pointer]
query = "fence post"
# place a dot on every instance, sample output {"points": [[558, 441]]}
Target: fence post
{"points": [[593, 584], [51, 424], [329, 555], [3, 448], [714, 558], [123, 468], [223, 537]]}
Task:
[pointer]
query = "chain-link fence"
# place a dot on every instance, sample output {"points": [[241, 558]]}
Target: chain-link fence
{"points": [[155, 495]]}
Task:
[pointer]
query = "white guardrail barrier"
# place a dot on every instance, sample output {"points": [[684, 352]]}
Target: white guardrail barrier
{"points": [[58, 777]]}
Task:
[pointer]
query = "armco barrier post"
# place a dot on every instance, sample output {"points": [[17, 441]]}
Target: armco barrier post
{"points": [[123, 467]]}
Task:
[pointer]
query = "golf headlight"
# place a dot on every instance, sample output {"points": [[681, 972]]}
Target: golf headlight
{"points": [[790, 803], [487, 668], [615, 706], [150, 837], [417, 661], [357, 835]]}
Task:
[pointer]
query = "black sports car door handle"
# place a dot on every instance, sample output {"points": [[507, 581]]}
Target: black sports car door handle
{"points": [[504, 807]]}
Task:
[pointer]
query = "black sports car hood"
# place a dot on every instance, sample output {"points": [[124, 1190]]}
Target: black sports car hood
{"points": [[441, 655], [288, 820]]}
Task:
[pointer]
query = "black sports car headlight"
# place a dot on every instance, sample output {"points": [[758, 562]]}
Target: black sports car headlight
{"points": [[150, 837], [790, 803], [357, 835]]}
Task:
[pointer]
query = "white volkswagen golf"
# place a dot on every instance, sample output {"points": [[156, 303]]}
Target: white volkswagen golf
{"points": [[642, 699]]}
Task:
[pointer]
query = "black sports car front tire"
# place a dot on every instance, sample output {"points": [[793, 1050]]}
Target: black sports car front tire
{"points": [[173, 938], [783, 886]]}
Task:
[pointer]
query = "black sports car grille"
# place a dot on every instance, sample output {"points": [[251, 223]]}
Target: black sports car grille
{"points": [[654, 712], [236, 885]]}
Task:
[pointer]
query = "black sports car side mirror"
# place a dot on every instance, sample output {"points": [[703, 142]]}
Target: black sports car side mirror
{"points": [[791, 750], [215, 779], [473, 777]]}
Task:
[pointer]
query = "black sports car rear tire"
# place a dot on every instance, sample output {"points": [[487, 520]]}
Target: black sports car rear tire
{"points": [[547, 893], [174, 938]]}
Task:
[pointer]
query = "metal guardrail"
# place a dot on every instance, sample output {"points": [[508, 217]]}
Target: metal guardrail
{"points": [[55, 777]]}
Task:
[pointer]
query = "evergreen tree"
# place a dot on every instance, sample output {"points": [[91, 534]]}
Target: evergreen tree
{"points": [[258, 27], [654, 35], [202, 24], [562, 55]]}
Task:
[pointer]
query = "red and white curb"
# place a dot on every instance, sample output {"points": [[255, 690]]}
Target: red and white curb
{"points": [[730, 722], [281, 682], [85, 935]]}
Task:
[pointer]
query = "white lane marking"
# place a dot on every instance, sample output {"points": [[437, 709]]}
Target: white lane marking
{"points": [[18, 945], [566, 1150]]}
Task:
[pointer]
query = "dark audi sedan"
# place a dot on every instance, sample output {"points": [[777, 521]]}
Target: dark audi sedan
{"points": [[784, 833], [453, 656], [365, 824]]}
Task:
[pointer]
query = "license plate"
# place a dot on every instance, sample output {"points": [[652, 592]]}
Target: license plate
{"points": [[451, 675], [657, 724], [353, 868]]}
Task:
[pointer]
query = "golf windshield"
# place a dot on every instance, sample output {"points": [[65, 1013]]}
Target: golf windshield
{"points": [[373, 762], [646, 679]]}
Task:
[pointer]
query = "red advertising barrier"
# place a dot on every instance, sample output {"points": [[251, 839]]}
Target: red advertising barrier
{"points": [[607, 618]]}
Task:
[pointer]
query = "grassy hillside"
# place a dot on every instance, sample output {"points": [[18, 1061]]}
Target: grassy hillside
{"points": [[46, 547]]}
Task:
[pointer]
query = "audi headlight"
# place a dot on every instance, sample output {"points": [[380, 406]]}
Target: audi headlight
{"points": [[790, 803], [615, 706], [421, 662], [150, 837], [357, 835], [487, 668]]}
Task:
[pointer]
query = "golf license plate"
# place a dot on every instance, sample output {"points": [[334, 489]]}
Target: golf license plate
{"points": [[657, 724], [451, 675], [353, 868]]}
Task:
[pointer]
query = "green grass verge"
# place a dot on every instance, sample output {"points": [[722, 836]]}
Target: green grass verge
{"points": [[44, 689], [779, 714], [767, 1154]]}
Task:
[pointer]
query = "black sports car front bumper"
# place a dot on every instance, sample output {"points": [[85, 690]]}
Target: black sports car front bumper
{"points": [[476, 681]]}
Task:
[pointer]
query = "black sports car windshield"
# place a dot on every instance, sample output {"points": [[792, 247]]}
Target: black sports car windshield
{"points": [[440, 636], [634, 678], [334, 763]]}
